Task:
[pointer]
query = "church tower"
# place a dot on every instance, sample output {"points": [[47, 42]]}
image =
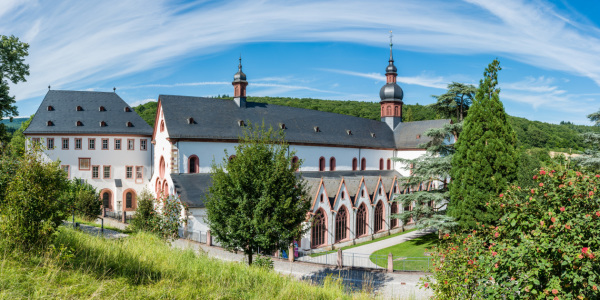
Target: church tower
{"points": [[391, 95], [239, 86]]}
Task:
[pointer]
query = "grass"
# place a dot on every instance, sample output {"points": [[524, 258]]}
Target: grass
{"points": [[415, 249], [363, 243], [93, 223], [143, 266]]}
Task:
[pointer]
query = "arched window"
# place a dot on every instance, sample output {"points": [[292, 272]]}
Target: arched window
{"points": [[106, 197], [378, 217], [381, 164], [161, 167], [389, 111], [332, 164], [193, 164], [165, 189], [232, 157], [389, 164], [295, 161], [354, 164], [319, 230], [322, 163], [394, 221], [157, 186], [361, 220], [396, 111], [130, 200], [341, 224], [363, 164], [162, 125]]}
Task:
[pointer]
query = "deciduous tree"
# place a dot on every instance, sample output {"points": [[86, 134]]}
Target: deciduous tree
{"points": [[14, 69]]}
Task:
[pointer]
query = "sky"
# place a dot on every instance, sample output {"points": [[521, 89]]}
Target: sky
{"points": [[548, 50]]}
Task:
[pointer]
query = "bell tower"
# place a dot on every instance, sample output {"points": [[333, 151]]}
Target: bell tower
{"points": [[239, 86], [391, 94]]}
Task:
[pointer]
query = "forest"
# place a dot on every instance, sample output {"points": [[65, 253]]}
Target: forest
{"points": [[564, 137]]}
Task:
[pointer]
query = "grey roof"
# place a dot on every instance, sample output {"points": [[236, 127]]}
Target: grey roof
{"points": [[218, 119], [406, 133], [64, 115], [391, 92], [192, 188]]}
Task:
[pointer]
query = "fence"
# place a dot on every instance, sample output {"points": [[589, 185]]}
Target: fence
{"points": [[118, 216]]}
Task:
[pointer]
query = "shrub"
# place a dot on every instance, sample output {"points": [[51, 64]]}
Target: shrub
{"points": [[545, 244], [168, 216], [145, 216], [85, 199], [34, 205], [264, 262]]}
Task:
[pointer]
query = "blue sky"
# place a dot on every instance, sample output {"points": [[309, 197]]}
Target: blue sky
{"points": [[549, 50]]}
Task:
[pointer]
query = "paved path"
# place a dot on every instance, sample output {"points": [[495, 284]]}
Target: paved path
{"points": [[395, 285], [111, 234]]}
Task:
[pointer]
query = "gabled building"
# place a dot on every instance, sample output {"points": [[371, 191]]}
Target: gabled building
{"points": [[98, 138]]}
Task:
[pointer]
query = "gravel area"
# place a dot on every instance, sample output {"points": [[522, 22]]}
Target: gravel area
{"points": [[111, 234]]}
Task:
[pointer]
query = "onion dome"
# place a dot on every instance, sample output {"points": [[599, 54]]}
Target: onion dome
{"points": [[239, 76], [391, 92]]}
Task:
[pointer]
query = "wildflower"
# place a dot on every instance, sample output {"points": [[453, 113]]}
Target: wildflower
{"points": [[496, 265], [597, 175], [553, 219], [591, 193], [542, 172], [534, 177], [562, 208], [494, 253], [541, 184], [532, 191], [554, 291], [502, 195], [584, 250], [598, 214], [496, 234], [426, 284], [580, 256], [595, 288]]}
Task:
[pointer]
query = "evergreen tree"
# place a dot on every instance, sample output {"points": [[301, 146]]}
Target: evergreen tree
{"points": [[485, 162], [456, 101], [256, 200]]}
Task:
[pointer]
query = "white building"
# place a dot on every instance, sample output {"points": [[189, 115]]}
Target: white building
{"points": [[96, 137]]}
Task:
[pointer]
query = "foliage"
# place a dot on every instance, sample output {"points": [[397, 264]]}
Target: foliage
{"points": [[264, 262], [595, 117], [485, 160], [146, 217], [16, 147], [456, 101], [86, 200], [147, 111], [142, 266], [256, 200], [13, 69], [590, 160], [414, 250], [544, 246], [168, 216], [34, 204]]}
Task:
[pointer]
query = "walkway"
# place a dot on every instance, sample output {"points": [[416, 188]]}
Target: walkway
{"points": [[111, 234], [388, 285]]}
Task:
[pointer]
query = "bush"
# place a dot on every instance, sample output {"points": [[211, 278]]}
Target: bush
{"points": [[168, 216], [145, 216], [264, 262], [85, 198], [545, 245], [34, 204]]}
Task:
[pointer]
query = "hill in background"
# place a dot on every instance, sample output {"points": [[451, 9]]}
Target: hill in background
{"points": [[563, 137], [14, 125]]}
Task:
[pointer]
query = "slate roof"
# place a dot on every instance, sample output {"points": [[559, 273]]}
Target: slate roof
{"points": [[192, 188], [64, 115], [406, 133]]}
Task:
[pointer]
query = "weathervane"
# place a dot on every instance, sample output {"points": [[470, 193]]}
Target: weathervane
{"points": [[391, 35]]}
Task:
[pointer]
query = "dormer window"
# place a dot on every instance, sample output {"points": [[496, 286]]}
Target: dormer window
{"points": [[129, 124], [372, 134], [282, 126], [79, 108], [50, 108], [349, 132], [127, 109], [79, 123], [190, 120], [316, 128], [102, 108], [102, 124], [418, 136], [49, 123], [241, 123]]}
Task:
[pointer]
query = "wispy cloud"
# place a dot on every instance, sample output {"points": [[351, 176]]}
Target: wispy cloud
{"points": [[140, 102], [422, 80], [540, 92]]}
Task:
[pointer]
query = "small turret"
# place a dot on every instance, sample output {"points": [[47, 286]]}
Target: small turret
{"points": [[391, 94], [239, 86]]}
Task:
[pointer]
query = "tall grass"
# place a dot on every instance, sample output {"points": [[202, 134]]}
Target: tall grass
{"points": [[143, 266]]}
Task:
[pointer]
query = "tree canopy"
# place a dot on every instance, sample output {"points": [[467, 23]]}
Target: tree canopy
{"points": [[456, 101], [14, 69], [256, 199]]}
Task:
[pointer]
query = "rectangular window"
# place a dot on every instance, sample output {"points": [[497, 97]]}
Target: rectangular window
{"points": [[35, 140], [95, 172], [77, 143], [130, 144], [65, 143], [92, 144], [117, 144], [106, 173], [104, 144], [143, 145], [138, 172], [66, 169], [84, 164], [128, 172], [50, 143]]}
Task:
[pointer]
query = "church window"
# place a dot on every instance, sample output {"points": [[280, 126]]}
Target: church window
{"points": [[389, 164], [162, 125], [381, 164], [128, 200], [194, 164], [319, 230], [379, 217], [396, 111], [361, 220], [322, 163], [67, 169], [363, 164], [332, 164], [161, 167], [354, 164], [343, 195], [389, 111], [341, 224], [322, 198], [394, 211], [106, 199]]}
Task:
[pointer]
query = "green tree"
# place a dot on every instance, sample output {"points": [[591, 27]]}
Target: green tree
{"points": [[146, 217], [14, 69], [256, 199], [85, 199], [16, 147], [456, 101], [485, 160]]}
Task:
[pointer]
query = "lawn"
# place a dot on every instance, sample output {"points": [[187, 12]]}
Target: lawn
{"points": [[363, 243], [143, 266], [413, 251]]}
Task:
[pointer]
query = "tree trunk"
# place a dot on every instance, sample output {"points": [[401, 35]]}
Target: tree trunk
{"points": [[439, 234], [249, 259]]}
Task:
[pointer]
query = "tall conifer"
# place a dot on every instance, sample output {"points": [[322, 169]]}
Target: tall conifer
{"points": [[485, 162]]}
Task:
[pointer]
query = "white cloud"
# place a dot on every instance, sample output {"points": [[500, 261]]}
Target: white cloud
{"points": [[140, 102], [422, 80], [541, 93]]}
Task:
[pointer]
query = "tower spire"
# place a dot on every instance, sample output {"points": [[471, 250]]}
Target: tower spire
{"points": [[391, 44]]}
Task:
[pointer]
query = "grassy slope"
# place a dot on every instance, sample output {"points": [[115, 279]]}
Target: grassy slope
{"points": [[414, 248], [140, 267]]}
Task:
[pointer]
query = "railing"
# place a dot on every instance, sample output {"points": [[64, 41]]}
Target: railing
{"points": [[119, 216]]}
